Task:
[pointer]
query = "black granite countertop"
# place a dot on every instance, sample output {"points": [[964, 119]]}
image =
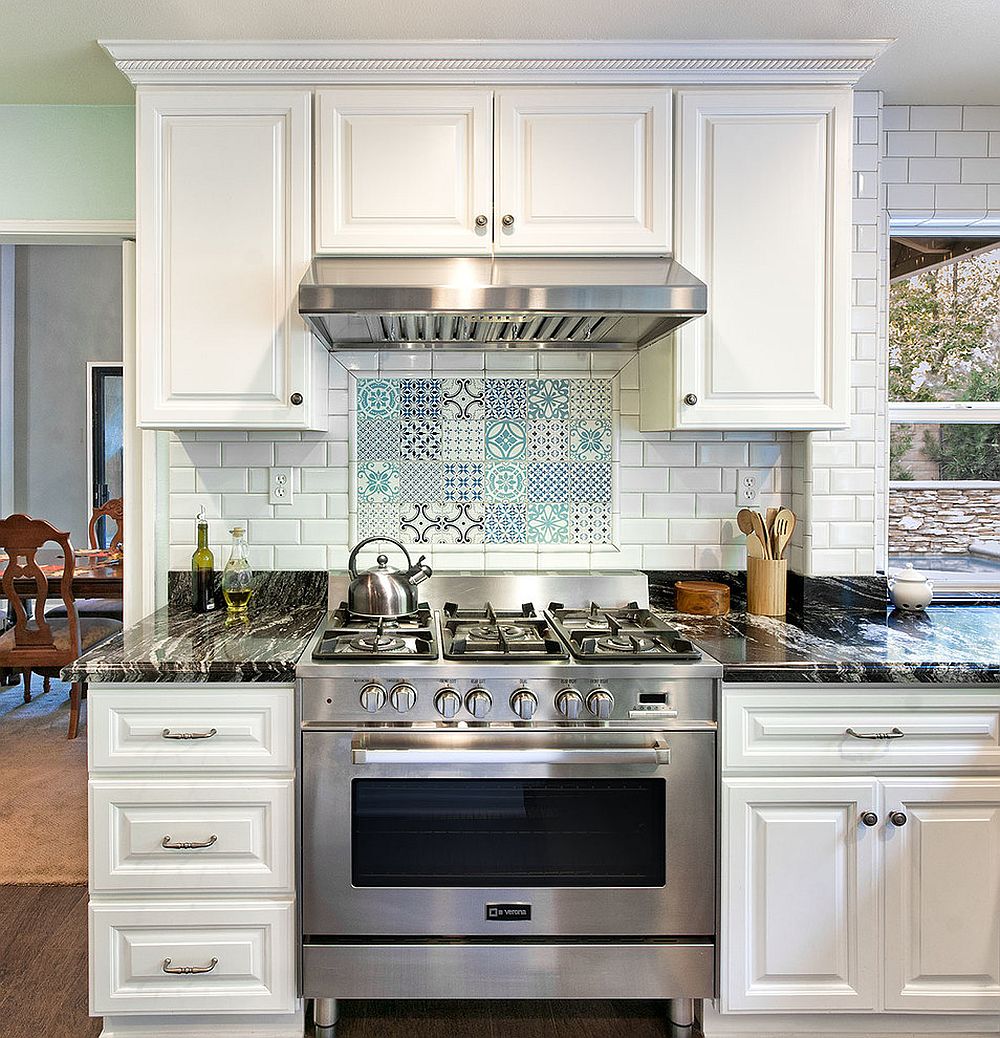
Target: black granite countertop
{"points": [[947, 644], [175, 644]]}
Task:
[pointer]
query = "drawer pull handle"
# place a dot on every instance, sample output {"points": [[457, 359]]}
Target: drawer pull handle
{"points": [[187, 970], [893, 733], [168, 734], [165, 842]]}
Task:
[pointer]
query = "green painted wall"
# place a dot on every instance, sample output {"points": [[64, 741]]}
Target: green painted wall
{"points": [[67, 162]]}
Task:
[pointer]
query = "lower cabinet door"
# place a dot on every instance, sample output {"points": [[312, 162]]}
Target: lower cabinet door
{"points": [[799, 929], [192, 957], [942, 895]]}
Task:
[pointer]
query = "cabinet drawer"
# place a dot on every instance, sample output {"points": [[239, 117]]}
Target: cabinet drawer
{"points": [[141, 727], [243, 952], [191, 836], [810, 729]]}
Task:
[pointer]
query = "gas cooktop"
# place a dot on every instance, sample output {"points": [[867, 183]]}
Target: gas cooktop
{"points": [[620, 633]]}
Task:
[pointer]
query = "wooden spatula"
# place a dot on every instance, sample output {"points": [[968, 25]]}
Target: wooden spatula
{"points": [[769, 526], [784, 525]]}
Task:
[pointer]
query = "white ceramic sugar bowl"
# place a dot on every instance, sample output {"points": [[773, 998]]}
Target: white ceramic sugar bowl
{"points": [[911, 590]]}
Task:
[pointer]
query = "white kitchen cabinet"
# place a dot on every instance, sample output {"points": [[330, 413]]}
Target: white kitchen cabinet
{"points": [[570, 170], [942, 895], [763, 216], [583, 170], [822, 912], [800, 889], [223, 235], [404, 171]]}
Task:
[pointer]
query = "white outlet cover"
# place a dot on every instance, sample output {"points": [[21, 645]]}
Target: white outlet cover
{"points": [[748, 486], [280, 486]]}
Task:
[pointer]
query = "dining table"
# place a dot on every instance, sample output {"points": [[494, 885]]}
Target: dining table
{"points": [[94, 575]]}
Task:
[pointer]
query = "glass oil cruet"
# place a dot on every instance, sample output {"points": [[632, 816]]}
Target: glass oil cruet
{"points": [[237, 577]]}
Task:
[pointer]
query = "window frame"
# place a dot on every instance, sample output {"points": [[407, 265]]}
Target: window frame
{"points": [[944, 412]]}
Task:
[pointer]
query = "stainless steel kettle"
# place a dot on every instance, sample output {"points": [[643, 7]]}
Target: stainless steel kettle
{"points": [[385, 590]]}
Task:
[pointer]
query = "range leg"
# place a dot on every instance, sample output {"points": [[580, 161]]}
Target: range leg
{"points": [[325, 1013], [680, 1011]]}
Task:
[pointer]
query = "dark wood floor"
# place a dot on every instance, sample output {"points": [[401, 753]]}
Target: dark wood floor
{"points": [[43, 989], [43, 963], [597, 1019]]}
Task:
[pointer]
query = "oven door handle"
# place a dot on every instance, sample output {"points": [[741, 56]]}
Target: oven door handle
{"points": [[657, 754]]}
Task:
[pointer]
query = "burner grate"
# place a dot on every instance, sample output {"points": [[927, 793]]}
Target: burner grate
{"points": [[622, 633], [493, 634]]}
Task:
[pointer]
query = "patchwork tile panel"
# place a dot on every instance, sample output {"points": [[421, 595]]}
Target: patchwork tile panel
{"points": [[494, 460]]}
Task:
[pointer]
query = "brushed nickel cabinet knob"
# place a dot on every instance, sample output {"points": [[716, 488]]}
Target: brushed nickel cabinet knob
{"points": [[507, 220], [482, 220], [690, 399]]}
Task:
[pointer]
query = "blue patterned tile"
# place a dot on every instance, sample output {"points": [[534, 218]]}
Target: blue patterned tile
{"points": [[548, 440], [442, 523], [547, 523], [505, 481], [505, 523], [463, 398], [378, 398], [590, 398], [378, 439], [420, 480], [420, 439], [590, 524], [462, 440], [506, 440], [505, 397], [548, 481], [420, 399], [463, 481], [378, 481], [590, 482], [377, 520], [590, 440], [548, 398]]}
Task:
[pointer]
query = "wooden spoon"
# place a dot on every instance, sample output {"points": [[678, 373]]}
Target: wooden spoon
{"points": [[744, 520], [755, 549], [769, 524], [758, 528], [784, 525]]}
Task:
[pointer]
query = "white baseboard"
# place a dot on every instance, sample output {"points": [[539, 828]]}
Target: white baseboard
{"points": [[759, 1025], [284, 1025]]}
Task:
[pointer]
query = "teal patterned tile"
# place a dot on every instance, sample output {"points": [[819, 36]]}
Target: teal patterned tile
{"points": [[462, 439], [548, 398], [506, 440], [590, 440], [378, 398], [505, 481], [505, 397], [421, 480], [463, 481], [590, 524], [590, 398], [590, 482], [378, 481], [547, 523], [506, 522], [378, 439], [548, 440], [548, 481]]}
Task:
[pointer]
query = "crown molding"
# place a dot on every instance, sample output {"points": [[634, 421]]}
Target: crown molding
{"points": [[456, 61]]}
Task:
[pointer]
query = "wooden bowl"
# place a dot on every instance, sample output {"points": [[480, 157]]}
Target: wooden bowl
{"points": [[702, 597]]}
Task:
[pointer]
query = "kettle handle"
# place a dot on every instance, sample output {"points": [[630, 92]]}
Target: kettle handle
{"points": [[372, 540]]}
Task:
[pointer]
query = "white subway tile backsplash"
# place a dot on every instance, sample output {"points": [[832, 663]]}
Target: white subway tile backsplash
{"points": [[695, 531], [707, 479], [669, 453], [723, 454], [909, 143], [246, 454], [274, 531], [981, 117], [643, 531], [303, 454], [981, 171], [963, 143], [936, 117], [328, 480], [194, 453], [933, 171], [220, 480], [668, 556], [643, 479], [299, 556], [664, 506]]}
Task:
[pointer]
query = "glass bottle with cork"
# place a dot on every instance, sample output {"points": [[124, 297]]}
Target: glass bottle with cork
{"points": [[203, 570], [237, 577]]}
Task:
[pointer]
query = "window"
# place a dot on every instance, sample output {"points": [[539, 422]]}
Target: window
{"points": [[944, 408]]}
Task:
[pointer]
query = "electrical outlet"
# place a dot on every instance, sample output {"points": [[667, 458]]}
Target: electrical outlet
{"points": [[747, 487], [280, 486]]}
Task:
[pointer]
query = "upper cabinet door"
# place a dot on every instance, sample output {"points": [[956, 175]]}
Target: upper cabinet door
{"points": [[942, 892], [404, 171], [223, 241], [764, 218], [583, 170]]}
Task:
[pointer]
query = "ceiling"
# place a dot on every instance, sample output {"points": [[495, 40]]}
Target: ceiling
{"points": [[945, 50]]}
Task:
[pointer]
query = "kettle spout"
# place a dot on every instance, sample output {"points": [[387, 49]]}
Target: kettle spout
{"points": [[418, 571]]}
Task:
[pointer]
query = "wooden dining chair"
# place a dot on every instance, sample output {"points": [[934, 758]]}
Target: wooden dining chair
{"points": [[44, 643], [105, 608]]}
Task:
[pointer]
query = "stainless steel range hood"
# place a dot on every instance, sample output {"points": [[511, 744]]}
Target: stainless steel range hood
{"points": [[479, 303]]}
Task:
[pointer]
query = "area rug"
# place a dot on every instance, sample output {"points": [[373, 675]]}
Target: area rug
{"points": [[43, 788]]}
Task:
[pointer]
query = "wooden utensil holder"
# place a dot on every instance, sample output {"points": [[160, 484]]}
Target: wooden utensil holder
{"points": [[767, 586]]}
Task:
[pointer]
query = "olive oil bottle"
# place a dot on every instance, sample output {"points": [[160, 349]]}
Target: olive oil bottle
{"points": [[237, 577], [203, 571]]}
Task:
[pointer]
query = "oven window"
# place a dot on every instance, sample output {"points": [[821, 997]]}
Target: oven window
{"points": [[509, 833]]}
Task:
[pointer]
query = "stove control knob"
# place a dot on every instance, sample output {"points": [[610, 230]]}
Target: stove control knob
{"points": [[569, 703], [523, 702], [600, 703], [373, 697], [447, 702], [478, 702], [402, 697]]}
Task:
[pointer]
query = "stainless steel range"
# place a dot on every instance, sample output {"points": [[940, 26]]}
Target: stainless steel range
{"points": [[504, 796]]}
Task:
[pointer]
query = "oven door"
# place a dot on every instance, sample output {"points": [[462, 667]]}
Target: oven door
{"points": [[466, 832]]}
